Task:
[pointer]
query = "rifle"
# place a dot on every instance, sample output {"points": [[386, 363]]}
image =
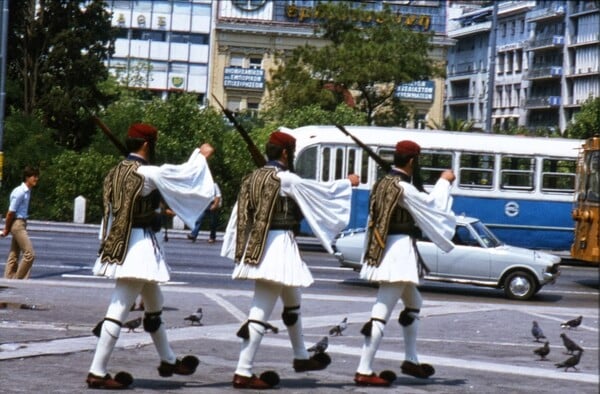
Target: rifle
{"points": [[116, 142], [258, 157], [382, 163]]}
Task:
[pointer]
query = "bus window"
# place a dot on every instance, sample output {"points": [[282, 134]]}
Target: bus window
{"points": [[351, 161], [558, 175], [432, 164], [593, 177], [326, 157], [306, 163], [339, 163], [364, 168], [517, 173], [387, 155], [476, 171]]}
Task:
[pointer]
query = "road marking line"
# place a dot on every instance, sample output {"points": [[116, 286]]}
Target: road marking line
{"points": [[228, 306]]}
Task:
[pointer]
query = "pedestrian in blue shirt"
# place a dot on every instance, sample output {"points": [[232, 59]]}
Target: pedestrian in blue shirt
{"points": [[16, 224]]}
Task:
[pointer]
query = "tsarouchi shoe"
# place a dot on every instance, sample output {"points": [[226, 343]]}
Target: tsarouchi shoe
{"points": [[185, 366], [384, 379], [422, 370], [317, 362], [267, 380], [121, 381]]}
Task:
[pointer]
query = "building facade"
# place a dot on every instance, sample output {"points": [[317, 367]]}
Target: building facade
{"points": [[162, 45], [545, 64], [251, 36]]}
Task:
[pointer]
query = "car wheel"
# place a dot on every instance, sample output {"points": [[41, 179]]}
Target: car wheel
{"points": [[519, 285]]}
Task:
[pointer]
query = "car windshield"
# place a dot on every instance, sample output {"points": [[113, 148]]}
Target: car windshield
{"points": [[486, 235]]}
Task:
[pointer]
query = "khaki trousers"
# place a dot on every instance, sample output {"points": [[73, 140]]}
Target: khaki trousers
{"points": [[20, 243]]}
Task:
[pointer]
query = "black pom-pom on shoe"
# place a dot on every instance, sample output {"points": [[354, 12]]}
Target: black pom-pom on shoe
{"points": [[270, 377], [388, 375]]}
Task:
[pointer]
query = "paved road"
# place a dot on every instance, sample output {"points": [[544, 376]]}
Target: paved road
{"points": [[478, 347]]}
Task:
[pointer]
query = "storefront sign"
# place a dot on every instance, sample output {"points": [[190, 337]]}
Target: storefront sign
{"points": [[416, 91], [244, 78]]}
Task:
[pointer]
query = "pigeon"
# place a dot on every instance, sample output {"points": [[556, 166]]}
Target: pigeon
{"points": [[573, 323], [320, 346], [338, 329], [195, 317], [543, 351], [571, 362], [537, 332], [133, 324], [570, 344]]}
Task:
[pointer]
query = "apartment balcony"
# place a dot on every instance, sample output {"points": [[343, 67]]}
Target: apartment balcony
{"points": [[545, 72], [459, 99], [543, 102], [573, 102], [470, 30], [584, 8], [583, 40], [545, 42], [583, 71], [541, 14]]}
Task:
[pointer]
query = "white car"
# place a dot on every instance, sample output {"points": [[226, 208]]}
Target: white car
{"points": [[478, 258]]}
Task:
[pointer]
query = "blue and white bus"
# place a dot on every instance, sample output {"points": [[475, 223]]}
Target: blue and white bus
{"points": [[521, 187]]}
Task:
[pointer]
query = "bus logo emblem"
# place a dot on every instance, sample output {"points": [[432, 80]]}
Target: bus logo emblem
{"points": [[511, 209]]}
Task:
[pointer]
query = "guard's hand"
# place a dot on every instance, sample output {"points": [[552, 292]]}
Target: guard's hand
{"points": [[206, 150], [448, 175], [354, 179]]}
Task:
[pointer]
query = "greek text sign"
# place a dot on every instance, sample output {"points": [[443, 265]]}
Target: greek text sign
{"points": [[418, 90], [244, 78]]}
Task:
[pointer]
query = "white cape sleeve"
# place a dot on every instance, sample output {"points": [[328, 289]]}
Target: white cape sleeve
{"points": [[229, 238], [325, 206], [187, 188], [432, 212]]}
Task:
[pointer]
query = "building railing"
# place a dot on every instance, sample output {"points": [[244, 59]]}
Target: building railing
{"points": [[584, 39], [545, 13], [545, 72], [459, 97], [554, 41], [543, 102]]}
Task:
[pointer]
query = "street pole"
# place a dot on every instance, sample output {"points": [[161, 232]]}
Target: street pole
{"points": [[491, 70], [3, 44]]}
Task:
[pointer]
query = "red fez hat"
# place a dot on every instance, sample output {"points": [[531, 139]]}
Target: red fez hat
{"points": [[282, 139], [142, 130], [407, 147]]}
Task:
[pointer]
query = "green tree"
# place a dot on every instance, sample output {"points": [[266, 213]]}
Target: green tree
{"points": [[452, 124], [370, 59], [56, 57], [586, 123], [26, 142], [70, 175]]}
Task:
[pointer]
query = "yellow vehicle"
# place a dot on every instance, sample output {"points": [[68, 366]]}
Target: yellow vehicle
{"points": [[586, 212]]}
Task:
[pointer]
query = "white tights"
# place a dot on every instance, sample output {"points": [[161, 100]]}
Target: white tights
{"points": [[265, 297], [124, 295], [387, 297]]}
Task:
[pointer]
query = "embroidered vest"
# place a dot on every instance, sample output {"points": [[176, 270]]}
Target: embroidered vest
{"points": [[386, 217], [260, 209], [121, 190]]}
